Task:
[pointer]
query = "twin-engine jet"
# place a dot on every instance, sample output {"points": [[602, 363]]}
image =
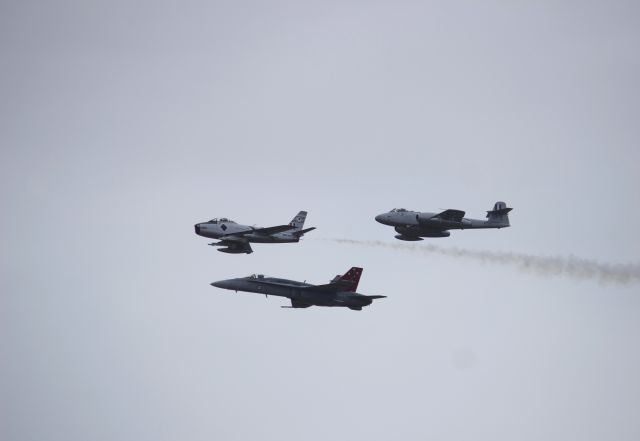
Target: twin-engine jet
{"points": [[413, 225], [235, 238], [341, 291]]}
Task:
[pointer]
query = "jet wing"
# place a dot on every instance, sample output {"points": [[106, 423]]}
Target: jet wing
{"points": [[273, 230], [267, 231], [450, 215]]}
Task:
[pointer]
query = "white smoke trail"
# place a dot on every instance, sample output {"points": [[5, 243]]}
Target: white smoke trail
{"points": [[571, 266]]}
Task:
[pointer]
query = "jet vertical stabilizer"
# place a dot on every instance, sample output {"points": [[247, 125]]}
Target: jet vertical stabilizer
{"points": [[298, 221], [499, 215], [353, 277]]}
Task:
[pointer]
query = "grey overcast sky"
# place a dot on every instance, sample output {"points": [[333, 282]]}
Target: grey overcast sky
{"points": [[123, 123]]}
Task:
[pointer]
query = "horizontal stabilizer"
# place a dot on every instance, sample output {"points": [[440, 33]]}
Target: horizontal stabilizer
{"points": [[499, 208], [301, 232], [376, 297], [499, 216], [500, 211]]}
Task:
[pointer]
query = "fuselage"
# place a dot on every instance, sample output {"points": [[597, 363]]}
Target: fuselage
{"points": [[300, 293], [426, 219], [220, 228], [413, 225]]}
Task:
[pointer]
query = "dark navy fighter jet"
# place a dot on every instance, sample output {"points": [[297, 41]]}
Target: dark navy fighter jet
{"points": [[236, 237], [413, 225], [341, 291]]}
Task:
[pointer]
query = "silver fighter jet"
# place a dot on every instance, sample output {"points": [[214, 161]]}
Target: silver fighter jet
{"points": [[341, 291], [413, 225], [235, 238]]}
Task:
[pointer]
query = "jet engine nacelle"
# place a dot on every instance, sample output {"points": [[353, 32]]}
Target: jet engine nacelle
{"points": [[407, 238], [435, 234], [407, 233], [415, 233]]}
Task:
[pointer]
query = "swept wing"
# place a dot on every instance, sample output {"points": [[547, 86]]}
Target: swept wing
{"points": [[272, 230], [265, 231]]}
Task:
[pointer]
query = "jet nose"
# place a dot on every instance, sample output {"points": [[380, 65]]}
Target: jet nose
{"points": [[381, 218], [197, 226], [224, 284]]}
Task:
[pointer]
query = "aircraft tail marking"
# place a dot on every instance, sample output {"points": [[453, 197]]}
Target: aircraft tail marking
{"points": [[352, 277], [298, 221]]}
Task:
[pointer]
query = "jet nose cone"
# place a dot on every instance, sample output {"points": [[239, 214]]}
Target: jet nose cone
{"points": [[197, 227], [381, 218], [224, 284]]}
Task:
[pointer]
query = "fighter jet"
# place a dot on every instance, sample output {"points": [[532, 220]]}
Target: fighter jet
{"points": [[236, 238], [413, 225], [341, 291]]}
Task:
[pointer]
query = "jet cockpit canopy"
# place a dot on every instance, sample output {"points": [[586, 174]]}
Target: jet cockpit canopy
{"points": [[256, 276], [221, 220], [399, 210]]}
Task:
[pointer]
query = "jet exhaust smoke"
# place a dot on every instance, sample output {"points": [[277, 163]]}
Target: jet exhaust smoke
{"points": [[571, 266]]}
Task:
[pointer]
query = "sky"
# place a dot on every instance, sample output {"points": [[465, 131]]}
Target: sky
{"points": [[122, 124]]}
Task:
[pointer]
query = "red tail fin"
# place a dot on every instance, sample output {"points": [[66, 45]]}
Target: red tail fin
{"points": [[352, 276]]}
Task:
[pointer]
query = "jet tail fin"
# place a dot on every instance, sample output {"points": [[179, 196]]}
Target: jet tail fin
{"points": [[499, 215], [352, 277], [298, 220]]}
